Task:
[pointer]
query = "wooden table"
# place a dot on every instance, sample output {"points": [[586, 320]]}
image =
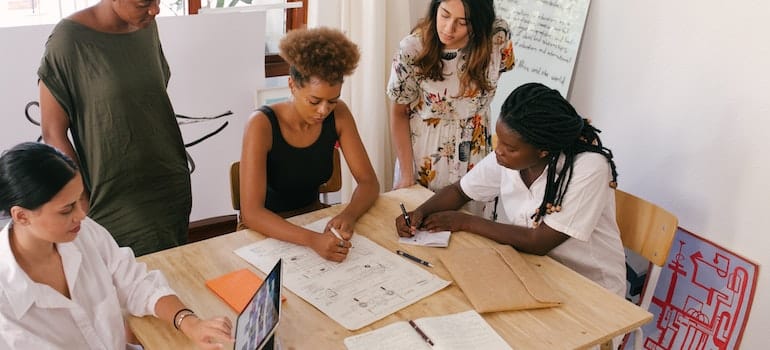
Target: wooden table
{"points": [[590, 315]]}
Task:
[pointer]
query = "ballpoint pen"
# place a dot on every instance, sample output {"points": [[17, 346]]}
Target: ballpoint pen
{"points": [[413, 258], [422, 334], [406, 216]]}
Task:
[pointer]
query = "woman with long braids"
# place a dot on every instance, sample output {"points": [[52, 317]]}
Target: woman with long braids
{"points": [[555, 181]]}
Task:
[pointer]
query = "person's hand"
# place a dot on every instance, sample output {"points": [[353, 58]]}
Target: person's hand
{"points": [[343, 224], [404, 182], [330, 247], [450, 220], [208, 334], [415, 218]]}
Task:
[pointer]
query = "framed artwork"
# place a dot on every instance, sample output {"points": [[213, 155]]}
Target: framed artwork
{"points": [[703, 297], [272, 95]]}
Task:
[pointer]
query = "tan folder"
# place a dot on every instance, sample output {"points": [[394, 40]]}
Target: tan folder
{"points": [[498, 279]]}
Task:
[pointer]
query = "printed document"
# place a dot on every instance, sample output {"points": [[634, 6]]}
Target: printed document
{"points": [[369, 284]]}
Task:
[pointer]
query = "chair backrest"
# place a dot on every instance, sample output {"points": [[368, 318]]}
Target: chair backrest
{"points": [[645, 228], [333, 185], [235, 185], [335, 181]]}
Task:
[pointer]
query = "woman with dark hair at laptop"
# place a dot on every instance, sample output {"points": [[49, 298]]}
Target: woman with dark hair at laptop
{"points": [[64, 282]]}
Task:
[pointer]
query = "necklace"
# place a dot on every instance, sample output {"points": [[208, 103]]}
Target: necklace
{"points": [[449, 55]]}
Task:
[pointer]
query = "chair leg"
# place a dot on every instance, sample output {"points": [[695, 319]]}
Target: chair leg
{"points": [[638, 336]]}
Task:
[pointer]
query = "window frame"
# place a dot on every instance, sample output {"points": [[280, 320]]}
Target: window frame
{"points": [[296, 18]]}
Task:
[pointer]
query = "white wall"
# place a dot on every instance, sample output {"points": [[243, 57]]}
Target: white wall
{"points": [[679, 90], [217, 63]]}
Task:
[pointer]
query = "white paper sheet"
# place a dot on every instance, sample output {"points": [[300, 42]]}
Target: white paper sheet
{"points": [[464, 330], [428, 239], [370, 284]]}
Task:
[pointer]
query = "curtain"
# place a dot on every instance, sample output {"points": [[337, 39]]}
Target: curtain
{"points": [[376, 26]]}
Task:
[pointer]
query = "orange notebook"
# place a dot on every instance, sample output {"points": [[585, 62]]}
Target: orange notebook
{"points": [[236, 288]]}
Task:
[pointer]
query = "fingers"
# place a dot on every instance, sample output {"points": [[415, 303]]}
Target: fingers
{"points": [[401, 228], [223, 325], [213, 333], [335, 249]]}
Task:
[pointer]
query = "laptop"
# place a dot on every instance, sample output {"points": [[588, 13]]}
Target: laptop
{"points": [[256, 324]]}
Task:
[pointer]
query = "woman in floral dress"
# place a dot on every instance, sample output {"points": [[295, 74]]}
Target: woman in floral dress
{"points": [[443, 80]]}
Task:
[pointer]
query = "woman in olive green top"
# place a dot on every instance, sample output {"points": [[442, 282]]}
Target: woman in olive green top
{"points": [[103, 77]]}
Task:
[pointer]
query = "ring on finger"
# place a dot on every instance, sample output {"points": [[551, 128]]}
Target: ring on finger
{"points": [[340, 244]]}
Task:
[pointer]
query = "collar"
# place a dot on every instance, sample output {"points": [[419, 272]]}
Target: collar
{"points": [[21, 291], [544, 175]]}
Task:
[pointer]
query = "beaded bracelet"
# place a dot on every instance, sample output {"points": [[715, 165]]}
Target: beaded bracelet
{"points": [[177, 321]]}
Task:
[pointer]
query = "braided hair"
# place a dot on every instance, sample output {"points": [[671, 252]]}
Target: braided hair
{"points": [[545, 120]]}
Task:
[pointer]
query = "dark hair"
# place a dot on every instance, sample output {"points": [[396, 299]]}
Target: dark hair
{"points": [[324, 53], [480, 14], [31, 174], [545, 120]]}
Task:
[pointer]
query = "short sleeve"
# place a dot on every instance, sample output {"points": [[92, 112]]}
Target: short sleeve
{"points": [[52, 71], [482, 182], [403, 86], [501, 42], [585, 199], [163, 61]]}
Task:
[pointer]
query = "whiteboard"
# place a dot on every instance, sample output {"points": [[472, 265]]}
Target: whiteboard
{"points": [[546, 37], [217, 64]]}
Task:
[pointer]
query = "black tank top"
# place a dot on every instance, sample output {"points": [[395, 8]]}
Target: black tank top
{"points": [[294, 174]]}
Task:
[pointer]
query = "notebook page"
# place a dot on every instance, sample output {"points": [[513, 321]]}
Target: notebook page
{"points": [[395, 336], [427, 238], [464, 330]]}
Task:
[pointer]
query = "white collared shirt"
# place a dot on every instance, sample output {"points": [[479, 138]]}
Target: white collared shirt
{"points": [[103, 280], [587, 216]]}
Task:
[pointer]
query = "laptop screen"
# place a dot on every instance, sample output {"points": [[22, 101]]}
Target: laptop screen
{"points": [[259, 319]]}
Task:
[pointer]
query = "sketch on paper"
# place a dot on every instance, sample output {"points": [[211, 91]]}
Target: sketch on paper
{"points": [[370, 284]]}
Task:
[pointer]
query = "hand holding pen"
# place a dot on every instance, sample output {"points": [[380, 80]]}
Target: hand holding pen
{"points": [[408, 222], [332, 244]]}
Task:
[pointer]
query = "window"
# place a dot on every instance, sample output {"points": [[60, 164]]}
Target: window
{"points": [[14, 13], [278, 21], [31, 12]]}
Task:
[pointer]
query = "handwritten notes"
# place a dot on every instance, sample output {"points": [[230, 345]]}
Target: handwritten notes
{"points": [[464, 330], [546, 37], [428, 239], [370, 284]]}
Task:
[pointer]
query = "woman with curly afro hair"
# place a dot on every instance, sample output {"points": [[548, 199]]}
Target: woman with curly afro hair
{"points": [[288, 146]]}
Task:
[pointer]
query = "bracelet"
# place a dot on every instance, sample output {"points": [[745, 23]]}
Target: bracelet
{"points": [[177, 321], [183, 316]]}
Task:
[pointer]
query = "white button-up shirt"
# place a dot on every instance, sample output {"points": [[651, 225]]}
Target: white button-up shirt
{"points": [[103, 280], [587, 215]]}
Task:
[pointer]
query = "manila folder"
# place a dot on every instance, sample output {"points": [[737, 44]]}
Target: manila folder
{"points": [[498, 279]]}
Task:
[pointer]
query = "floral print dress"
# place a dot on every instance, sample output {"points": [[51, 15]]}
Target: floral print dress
{"points": [[449, 133]]}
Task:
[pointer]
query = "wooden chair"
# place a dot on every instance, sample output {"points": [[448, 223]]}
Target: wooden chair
{"points": [[647, 230], [333, 185]]}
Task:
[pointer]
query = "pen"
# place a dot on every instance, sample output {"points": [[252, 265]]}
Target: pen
{"points": [[413, 258], [422, 334], [336, 233], [406, 216]]}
